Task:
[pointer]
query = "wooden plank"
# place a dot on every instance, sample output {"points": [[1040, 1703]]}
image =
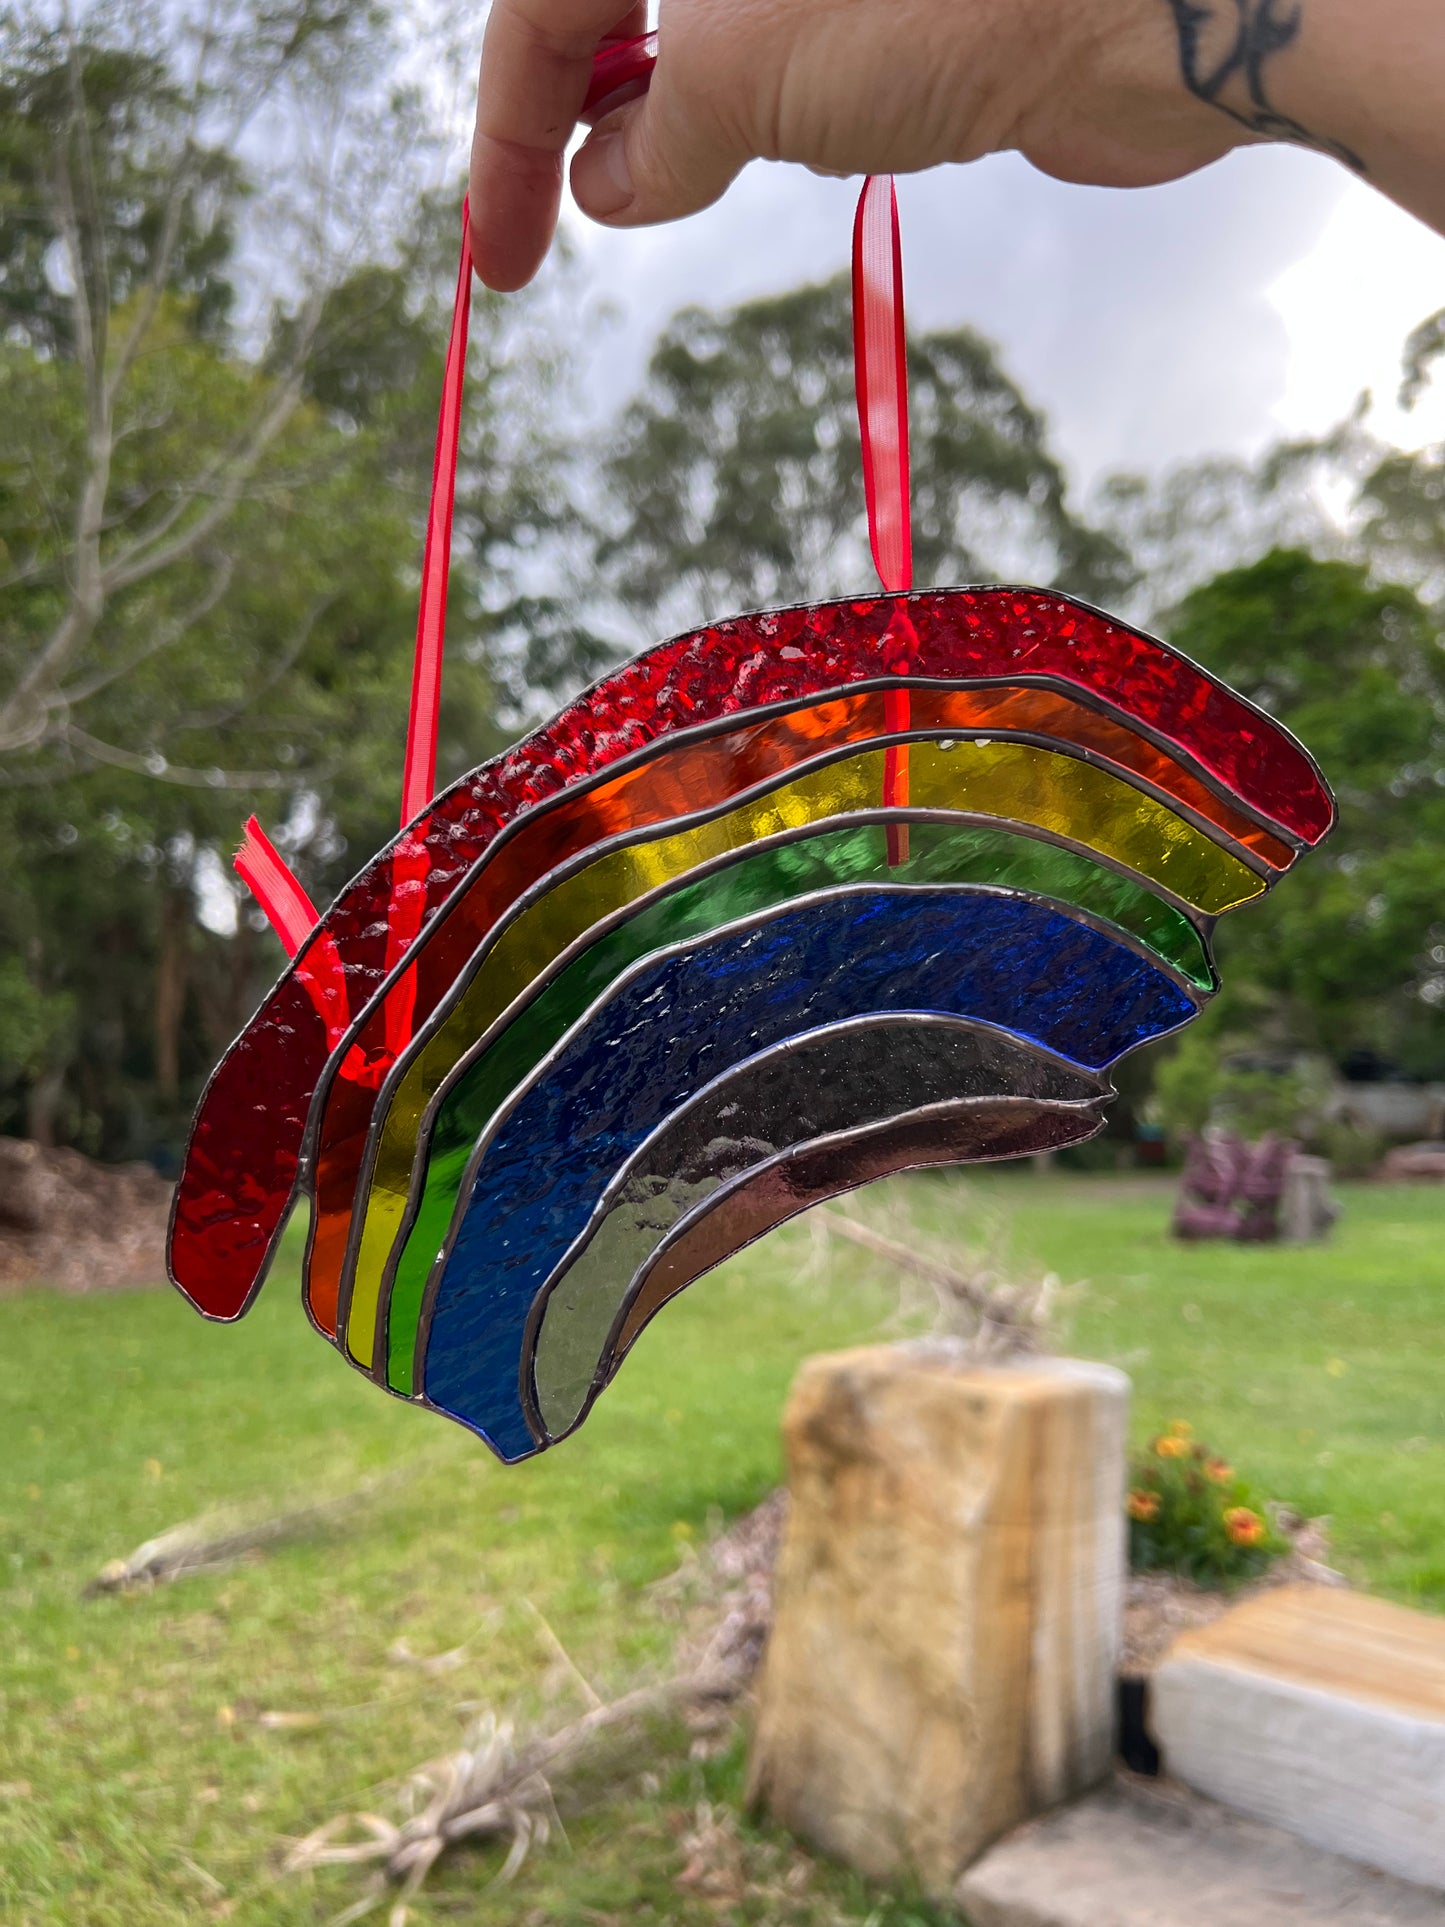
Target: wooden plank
{"points": [[1322, 1712]]}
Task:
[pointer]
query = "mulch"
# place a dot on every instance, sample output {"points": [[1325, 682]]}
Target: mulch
{"points": [[78, 1226], [1159, 1606]]}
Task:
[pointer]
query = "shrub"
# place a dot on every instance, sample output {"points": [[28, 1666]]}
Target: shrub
{"points": [[1190, 1514], [1354, 1150], [1211, 1080]]}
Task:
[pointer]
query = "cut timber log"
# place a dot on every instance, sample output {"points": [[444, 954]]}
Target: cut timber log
{"points": [[946, 1604], [1322, 1712]]}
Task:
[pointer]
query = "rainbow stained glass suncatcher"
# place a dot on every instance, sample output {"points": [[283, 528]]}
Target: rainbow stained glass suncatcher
{"points": [[781, 906], [1070, 779]]}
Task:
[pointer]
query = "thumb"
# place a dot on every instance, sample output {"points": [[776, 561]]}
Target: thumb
{"points": [[649, 161]]}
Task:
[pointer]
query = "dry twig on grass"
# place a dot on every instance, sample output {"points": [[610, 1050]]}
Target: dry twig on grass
{"points": [[499, 1789], [994, 1317], [492, 1789], [208, 1544]]}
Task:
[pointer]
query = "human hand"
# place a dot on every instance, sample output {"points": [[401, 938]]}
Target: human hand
{"points": [[1088, 89], [1112, 92]]}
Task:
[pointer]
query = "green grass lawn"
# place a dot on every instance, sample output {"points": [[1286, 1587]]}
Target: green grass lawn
{"points": [[1320, 1372], [138, 1787]]}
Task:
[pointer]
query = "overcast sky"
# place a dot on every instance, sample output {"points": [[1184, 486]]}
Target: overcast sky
{"points": [[1212, 315]]}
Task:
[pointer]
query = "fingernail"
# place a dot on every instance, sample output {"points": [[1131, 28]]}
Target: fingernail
{"points": [[601, 179]]}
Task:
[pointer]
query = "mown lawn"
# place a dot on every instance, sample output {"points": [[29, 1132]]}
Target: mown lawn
{"points": [[138, 1786], [1319, 1372]]}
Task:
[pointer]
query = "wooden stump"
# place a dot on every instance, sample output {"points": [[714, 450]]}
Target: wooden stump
{"points": [[947, 1604]]}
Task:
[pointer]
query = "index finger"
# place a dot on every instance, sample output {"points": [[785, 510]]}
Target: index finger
{"points": [[536, 65]]}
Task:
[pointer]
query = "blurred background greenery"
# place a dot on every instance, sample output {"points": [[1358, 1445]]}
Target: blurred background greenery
{"points": [[223, 303]]}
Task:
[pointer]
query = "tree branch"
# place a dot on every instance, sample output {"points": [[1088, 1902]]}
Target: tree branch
{"points": [[218, 718], [87, 593], [151, 553], [221, 574], [155, 765]]}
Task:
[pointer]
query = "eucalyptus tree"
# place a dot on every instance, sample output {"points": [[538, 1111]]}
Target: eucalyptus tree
{"points": [[223, 308], [734, 479]]}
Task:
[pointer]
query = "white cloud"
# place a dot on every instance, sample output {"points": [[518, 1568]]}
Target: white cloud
{"points": [[1347, 308], [1205, 316]]}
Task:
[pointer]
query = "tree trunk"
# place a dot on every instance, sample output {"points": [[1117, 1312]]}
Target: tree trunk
{"points": [[172, 969], [42, 1105]]}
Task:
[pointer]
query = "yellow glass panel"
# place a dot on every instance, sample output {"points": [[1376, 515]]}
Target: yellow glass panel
{"points": [[1008, 780]]}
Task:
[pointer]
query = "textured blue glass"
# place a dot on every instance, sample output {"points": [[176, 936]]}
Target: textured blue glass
{"points": [[686, 1019]]}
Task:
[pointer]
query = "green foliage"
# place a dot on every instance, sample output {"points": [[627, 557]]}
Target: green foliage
{"points": [[208, 554], [736, 473], [1423, 350], [1203, 1082], [1354, 1150], [33, 1025], [96, 115], [1347, 958], [1190, 1514]]}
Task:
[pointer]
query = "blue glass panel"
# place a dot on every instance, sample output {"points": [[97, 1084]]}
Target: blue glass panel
{"points": [[676, 1023]]}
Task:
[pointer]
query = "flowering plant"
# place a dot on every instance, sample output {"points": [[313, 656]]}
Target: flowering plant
{"points": [[1191, 1514]]}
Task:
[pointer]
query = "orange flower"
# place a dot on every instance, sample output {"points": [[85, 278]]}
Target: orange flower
{"points": [[1245, 1528], [1220, 1470], [1170, 1447], [1181, 1429], [1143, 1506]]}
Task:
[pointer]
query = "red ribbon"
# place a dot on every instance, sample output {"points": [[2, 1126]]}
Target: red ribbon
{"points": [[275, 886], [880, 367], [292, 915], [418, 783], [289, 910], [621, 70]]}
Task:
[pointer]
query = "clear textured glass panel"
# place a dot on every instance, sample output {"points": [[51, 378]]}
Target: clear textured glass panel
{"points": [[946, 1134], [853, 1076]]}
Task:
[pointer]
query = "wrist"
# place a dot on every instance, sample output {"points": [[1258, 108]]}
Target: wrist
{"points": [[1115, 109], [1270, 66]]}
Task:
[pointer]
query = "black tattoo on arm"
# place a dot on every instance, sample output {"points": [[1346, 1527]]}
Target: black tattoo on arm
{"points": [[1224, 49]]}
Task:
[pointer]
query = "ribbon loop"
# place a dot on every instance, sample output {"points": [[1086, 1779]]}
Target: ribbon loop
{"points": [[880, 360], [880, 370]]}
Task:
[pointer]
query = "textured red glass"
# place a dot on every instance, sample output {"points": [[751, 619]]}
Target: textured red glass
{"points": [[242, 1159]]}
